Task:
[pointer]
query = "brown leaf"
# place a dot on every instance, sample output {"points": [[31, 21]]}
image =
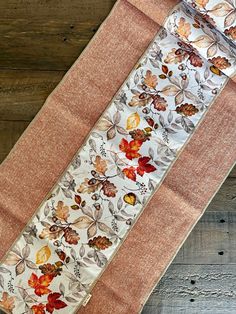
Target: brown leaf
{"points": [[172, 57], [104, 124], [111, 133], [12, 259], [7, 301], [221, 9], [170, 90], [62, 211], [85, 187], [109, 189], [230, 19], [164, 69], [203, 41], [78, 199], [212, 50], [92, 230], [83, 222], [71, 236], [51, 234], [20, 267], [100, 165], [138, 102], [150, 80], [184, 28]]}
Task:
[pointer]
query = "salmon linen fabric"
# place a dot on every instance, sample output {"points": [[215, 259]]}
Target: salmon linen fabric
{"points": [[106, 183]]}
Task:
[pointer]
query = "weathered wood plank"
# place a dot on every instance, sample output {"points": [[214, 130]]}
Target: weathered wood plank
{"points": [[23, 92], [42, 34], [225, 198], [10, 131], [212, 241], [233, 173], [82, 10], [195, 289]]}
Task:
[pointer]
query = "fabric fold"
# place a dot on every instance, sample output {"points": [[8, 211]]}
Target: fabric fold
{"points": [[154, 9]]}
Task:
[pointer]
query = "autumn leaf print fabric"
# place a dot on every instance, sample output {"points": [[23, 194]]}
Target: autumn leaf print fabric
{"points": [[221, 14], [75, 232], [197, 33]]}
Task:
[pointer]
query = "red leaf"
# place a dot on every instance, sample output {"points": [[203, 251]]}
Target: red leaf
{"points": [[165, 69], [77, 199], [144, 166], [54, 303]]}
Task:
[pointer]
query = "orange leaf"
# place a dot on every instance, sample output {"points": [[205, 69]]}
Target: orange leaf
{"points": [[100, 165], [62, 211], [40, 284], [150, 80], [38, 309], [184, 28], [7, 301], [130, 173], [130, 149]]}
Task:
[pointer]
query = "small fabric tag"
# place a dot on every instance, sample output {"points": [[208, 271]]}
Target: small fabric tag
{"points": [[86, 300]]}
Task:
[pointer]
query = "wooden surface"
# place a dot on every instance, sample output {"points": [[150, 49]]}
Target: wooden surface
{"points": [[40, 39]]}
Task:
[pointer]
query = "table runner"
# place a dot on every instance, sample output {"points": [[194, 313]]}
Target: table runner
{"points": [[141, 177]]}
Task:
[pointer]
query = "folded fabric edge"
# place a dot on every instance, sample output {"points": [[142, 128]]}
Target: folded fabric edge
{"points": [[155, 10]]}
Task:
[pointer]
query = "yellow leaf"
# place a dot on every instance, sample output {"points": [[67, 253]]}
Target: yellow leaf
{"points": [[43, 255], [130, 199], [215, 70], [133, 121]]}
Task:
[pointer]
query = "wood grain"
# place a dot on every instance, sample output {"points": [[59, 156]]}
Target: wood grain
{"points": [[47, 34], [40, 39], [195, 289], [23, 92]]}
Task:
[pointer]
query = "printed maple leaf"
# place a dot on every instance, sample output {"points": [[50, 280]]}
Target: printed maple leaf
{"points": [[130, 148], [54, 303], [40, 284], [144, 166], [150, 80], [130, 173], [7, 301], [38, 309]]}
